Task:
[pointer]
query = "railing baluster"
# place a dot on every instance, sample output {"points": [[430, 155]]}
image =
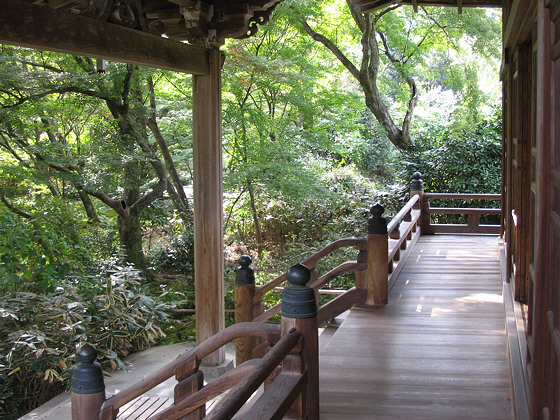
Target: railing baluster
{"points": [[189, 383]]}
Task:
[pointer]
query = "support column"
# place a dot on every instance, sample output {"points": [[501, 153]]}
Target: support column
{"points": [[208, 218]]}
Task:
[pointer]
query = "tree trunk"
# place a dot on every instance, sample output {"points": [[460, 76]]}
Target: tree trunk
{"points": [[256, 220], [88, 206], [130, 235]]}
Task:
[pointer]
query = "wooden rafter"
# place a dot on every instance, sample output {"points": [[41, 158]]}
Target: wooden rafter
{"points": [[46, 28], [203, 22]]}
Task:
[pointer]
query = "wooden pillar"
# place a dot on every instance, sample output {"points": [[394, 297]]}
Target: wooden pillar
{"points": [[244, 307], [417, 187], [208, 218], [378, 258], [88, 387], [299, 311]]}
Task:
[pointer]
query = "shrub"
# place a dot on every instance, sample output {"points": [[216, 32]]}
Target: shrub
{"points": [[39, 333]]}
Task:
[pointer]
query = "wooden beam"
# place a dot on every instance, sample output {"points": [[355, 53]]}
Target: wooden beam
{"points": [[367, 6], [41, 27], [208, 219]]}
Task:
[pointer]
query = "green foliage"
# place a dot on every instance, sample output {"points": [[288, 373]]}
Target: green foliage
{"points": [[178, 256], [39, 332], [33, 253], [467, 162]]}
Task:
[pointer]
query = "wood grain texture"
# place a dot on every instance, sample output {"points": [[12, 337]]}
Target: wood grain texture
{"points": [[208, 197], [437, 350]]}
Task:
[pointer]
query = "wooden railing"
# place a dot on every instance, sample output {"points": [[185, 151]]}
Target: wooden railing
{"points": [[288, 366], [473, 224], [288, 371], [473, 214], [381, 255]]}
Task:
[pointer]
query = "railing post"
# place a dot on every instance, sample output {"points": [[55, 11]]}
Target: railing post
{"points": [[378, 258], [244, 295], [88, 387], [417, 187], [299, 310], [189, 381]]}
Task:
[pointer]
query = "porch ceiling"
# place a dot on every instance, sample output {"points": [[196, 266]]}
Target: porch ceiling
{"points": [[199, 22]]}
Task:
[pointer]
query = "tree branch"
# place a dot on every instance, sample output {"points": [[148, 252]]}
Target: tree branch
{"points": [[12, 208], [330, 45]]}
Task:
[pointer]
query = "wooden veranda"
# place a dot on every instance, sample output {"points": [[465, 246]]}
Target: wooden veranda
{"points": [[131, 31], [437, 350]]}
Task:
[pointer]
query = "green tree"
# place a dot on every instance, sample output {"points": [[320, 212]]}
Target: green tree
{"points": [[385, 51], [121, 158]]}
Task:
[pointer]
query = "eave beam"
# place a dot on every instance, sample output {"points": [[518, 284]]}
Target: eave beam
{"points": [[367, 6], [40, 27]]}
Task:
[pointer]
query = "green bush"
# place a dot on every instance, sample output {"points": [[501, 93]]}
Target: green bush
{"points": [[39, 333], [177, 256]]}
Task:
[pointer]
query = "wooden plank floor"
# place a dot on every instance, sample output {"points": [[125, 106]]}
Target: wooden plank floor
{"points": [[436, 351]]}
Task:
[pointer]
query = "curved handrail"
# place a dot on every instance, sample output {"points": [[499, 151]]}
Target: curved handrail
{"points": [[343, 268], [311, 262], [192, 356]]}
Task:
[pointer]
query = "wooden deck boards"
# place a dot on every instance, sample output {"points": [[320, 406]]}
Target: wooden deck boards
{"points": [[437, 350]]}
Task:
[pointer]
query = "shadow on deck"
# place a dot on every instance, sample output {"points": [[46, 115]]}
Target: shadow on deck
{"points": [[437, 350]]}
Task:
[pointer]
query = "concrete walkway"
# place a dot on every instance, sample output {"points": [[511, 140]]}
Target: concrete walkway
{"points": [[139, 365]]}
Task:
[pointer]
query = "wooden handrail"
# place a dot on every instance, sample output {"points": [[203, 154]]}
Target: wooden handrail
{"points": [[210, 391], [343, 268], [188, 359], [462, 210], [311, 262], [396, 221], [473, 225], [404, 234], [340, 304], [240, 393], [461, 196]]}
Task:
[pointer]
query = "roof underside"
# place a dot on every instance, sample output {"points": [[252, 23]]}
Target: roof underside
{"points": [[194, 21], [367, 6]]}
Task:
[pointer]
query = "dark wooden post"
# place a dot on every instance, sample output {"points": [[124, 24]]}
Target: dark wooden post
{"points": [[88, 387], [244, 306], [417, 187], [378, 258], [299, 310]]}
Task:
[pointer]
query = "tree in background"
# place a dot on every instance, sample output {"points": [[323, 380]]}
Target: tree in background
{"points": [[85, 132], [386, 53]]}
